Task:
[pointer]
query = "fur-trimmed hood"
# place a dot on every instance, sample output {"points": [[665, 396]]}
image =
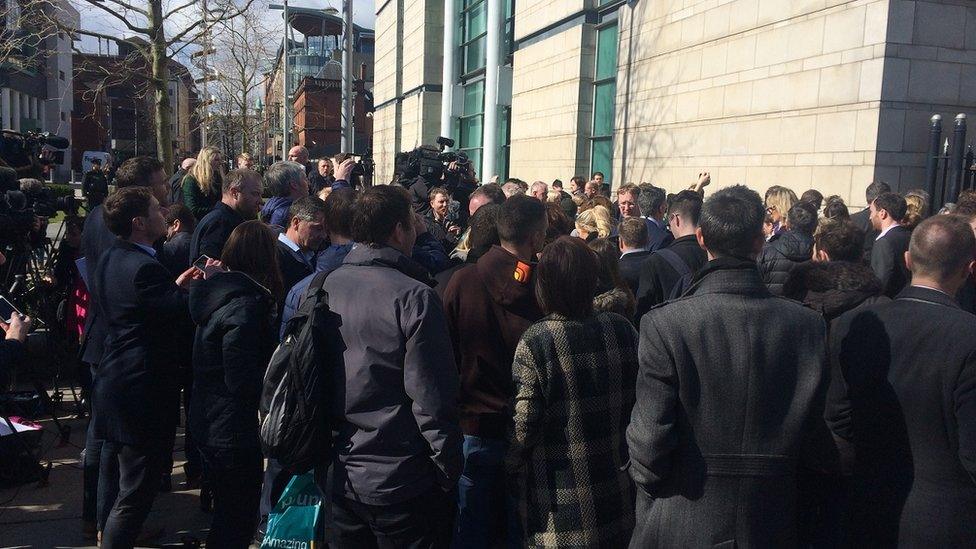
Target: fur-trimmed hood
{"points": [[616, 300], [832, 287]]}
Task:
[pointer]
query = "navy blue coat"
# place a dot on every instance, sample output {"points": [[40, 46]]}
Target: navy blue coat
{"points": [[136, 385]]}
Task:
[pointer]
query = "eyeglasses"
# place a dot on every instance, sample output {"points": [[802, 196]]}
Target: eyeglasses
{"points": [[770, 209]]}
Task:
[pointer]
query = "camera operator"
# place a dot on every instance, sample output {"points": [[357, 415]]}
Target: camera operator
{"points": [[441, 221], [12, 346], [426, 168], [95, 185]]}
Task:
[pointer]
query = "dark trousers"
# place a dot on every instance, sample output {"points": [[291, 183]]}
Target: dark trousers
{"points": [[275, 481], [194, 461], [235, 476], [426, 521], [90, 511], [139, 470]]}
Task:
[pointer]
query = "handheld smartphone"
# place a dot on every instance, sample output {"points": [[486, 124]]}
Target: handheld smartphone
{"points": [[201, 261], [7, 310]]}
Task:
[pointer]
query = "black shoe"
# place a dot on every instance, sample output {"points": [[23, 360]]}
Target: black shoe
{"points": [[166, 483]]}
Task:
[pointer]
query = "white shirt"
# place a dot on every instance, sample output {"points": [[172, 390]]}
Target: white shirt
{"points": [[884, 232], [307, 256]]}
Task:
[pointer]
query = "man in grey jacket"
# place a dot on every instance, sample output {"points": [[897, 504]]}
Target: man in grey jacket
{"points": [[398, 443], [730, 397]]}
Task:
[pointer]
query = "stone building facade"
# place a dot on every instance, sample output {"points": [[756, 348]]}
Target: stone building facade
{"points": [[826, 94]]}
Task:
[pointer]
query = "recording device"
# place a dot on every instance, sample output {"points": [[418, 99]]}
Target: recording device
{"points": [[361, 175], [24, 149], [201, 262], [7, 310]]}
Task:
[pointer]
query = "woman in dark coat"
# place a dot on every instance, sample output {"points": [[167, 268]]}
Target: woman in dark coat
{"points": [[574, 376], [234, 312]]}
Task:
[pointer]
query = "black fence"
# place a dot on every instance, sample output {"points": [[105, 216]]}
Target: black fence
{"points": [[950, 166]]}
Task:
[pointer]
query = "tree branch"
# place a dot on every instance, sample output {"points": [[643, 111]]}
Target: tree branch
{"points": [[119, 16], [125, 5]]}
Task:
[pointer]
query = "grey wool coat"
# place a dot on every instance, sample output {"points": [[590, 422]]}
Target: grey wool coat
{"points": [[730, 399], [574, 389]]}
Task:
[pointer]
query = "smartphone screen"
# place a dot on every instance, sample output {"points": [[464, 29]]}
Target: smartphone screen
{"points": [[201, 261], [7, 310]]}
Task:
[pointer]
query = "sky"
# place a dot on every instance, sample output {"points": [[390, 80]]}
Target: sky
{"points": [[94, 19]]}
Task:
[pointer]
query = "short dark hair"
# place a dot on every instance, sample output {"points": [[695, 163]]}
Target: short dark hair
{"points": [[687, 204], [651, 199], [560, 224], [812, 196], [127, 203], [436, 191], [137, 172], [941, 246], [493, 191], [842, 240], [732, 221], [633, 232], [179, 212], [378, 211], [598, 173], [340, 206], [836, 209], [520, 218], [96, 161], [483, 233], [557, 183], [567, 263], [875, 190], [802, 218], [306, 208], [630, 189], [892, 203], [579, 180]]}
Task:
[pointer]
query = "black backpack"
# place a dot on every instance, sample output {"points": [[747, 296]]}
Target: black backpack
{"points": [[295, 427], [685, 274]]}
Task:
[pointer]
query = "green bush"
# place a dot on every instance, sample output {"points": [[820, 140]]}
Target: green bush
{"points": [[58, 190]]}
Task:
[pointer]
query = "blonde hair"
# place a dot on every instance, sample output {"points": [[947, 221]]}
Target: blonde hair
{"points": [[595, 219], [203, 170], [916, 206], [781, 198]]}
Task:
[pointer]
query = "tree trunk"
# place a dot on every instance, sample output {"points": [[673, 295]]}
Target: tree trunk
{"points": [[160, 85]]}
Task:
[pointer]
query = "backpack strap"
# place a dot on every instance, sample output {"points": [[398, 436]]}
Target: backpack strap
{"points": [[675, 261], [312, 293]]}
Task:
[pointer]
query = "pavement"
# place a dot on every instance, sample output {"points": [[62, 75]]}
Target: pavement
{"points": [[49, 516]]}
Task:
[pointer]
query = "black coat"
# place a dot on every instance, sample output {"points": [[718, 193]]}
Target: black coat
{"points": [[657, 237], [136, 398], [213, 231], [888, 260], [292, 265], [863, 221], [234, 341], [630, 268], [908, 404], [780, 255], [658, 277], [833, 287], [730, 398], [176, 253]]}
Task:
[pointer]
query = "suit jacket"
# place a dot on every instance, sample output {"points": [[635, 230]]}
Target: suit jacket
{"points": [[630, 267], [863, 221], [136, 398], [657, 237], [294, 267], [888, 260], [725, 412], [213, 231], [176, 253], [906, 399]]}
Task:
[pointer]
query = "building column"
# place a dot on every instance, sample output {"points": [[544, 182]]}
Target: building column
{"points": [[15, 111], [493, 50], [449, 75], [5, 109]]}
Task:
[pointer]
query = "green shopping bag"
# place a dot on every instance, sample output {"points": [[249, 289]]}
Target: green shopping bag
{"points": [[293, 522]]}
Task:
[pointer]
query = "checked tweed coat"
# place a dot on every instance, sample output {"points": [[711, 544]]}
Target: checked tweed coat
{"points": [[574, 390]]}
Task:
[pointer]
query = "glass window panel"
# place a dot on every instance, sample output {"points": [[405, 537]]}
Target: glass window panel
{"points": [[474, 56], [603, 112], [606, 53], [475, 21], [601, 158], [605, 2], [474, 156], [471, 132], [474, 98]]}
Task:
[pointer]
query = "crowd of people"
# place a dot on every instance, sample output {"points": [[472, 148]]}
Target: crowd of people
{"points": [[526, 365]]}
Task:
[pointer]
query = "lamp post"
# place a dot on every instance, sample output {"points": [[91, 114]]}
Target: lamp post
{"points": [[285, 106]]}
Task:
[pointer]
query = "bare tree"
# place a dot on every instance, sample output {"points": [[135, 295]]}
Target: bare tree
{"points": [[244, 48], [165, 29], [25, 29]]}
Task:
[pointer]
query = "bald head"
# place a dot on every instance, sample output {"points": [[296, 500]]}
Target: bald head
{"points": [[298, 154], [941, 249], [188, 163]]}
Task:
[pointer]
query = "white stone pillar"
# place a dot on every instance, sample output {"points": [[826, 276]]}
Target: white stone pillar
{"points": [[493, 47], [15, 111], [5, 109], [449, 75]]}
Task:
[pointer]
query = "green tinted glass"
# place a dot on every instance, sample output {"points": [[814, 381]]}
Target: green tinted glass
{"points": [[471, 132], [606, 53], [603, 100], [474, 55], [474, 98], [601, 158], [475, 21]]}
